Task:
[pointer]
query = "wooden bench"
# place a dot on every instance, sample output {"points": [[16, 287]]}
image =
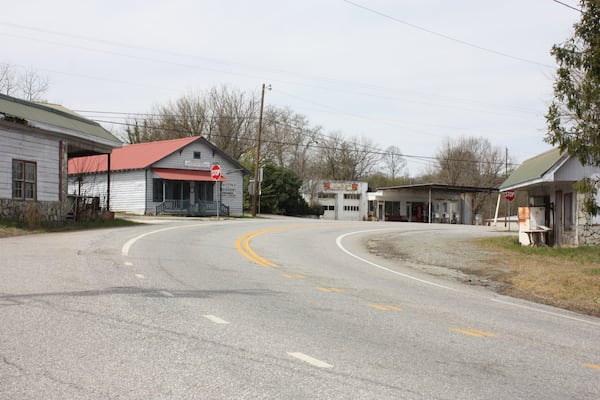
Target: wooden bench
{"points": [[538, 236]]}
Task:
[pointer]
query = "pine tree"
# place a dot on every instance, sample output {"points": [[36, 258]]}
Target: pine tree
{"points": [[574, 115]]}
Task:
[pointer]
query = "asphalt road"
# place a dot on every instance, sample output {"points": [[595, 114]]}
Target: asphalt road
{"points": [[270, 309]]}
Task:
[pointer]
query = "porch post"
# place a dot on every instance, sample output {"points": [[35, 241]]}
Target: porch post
{"points": [[108, 183]]}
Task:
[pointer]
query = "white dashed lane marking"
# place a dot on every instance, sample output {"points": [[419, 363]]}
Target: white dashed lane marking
{"points": [[215, 319], [310, 360]]}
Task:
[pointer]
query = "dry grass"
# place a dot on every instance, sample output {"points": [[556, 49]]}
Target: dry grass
{"points": [[564, 277]]}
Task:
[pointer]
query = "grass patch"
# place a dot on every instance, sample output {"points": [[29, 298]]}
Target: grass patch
{"points": [[592, 271], [563, 277], [15, 228], [583, 254]]}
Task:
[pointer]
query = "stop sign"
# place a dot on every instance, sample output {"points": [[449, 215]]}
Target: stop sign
{"points": [[215, 172], [509, 195]]}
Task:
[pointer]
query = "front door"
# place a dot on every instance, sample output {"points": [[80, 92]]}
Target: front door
{"points": [[203, 191], [177, 190]]}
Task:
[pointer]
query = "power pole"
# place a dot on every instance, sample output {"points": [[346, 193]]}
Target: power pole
{"points": [[257, 161]]}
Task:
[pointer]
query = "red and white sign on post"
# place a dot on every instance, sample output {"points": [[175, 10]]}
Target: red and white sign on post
{"points": [[509, 195], [215, 172]]}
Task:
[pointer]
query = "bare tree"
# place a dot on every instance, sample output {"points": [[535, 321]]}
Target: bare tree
{"points": [[343, 159], [394, 161], [226, 117], [471, 161], [236, 120], [288, 139], [29, 85], [8, 80], [32, 86], [366, 155]]}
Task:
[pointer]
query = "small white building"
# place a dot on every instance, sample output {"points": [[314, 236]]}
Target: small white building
{"points": [[162, 177], [548, 180], [341, 200]]}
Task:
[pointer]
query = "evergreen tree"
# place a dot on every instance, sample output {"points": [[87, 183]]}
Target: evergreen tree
{"points": [[574, 115], [281, 192]]}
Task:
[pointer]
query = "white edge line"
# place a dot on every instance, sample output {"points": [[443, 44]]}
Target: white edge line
{"points": [[310, 360], [507, 303], [339, 239], [130, 242], [215, 319]]}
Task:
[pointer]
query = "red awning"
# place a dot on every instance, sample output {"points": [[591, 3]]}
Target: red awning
{"points": [[185, 174]]}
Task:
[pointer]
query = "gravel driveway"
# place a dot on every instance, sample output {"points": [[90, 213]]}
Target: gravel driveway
{"points": [[450, 254]]}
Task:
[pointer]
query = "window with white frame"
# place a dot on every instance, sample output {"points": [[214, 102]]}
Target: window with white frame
{"points": [[24, 180]]}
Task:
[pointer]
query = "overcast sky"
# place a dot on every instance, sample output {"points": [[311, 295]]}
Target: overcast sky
{"points": [[407, 73]]}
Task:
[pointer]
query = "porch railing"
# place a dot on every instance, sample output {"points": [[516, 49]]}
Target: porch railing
{"points": [[183, 207]]}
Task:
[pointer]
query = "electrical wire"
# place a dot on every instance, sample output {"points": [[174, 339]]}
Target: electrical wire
{"points": [[447, 37], [318, 145], [568, 6]]}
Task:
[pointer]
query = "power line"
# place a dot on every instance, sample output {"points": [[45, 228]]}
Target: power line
{"points": [[317, 145], [268, 121], [447, 37], [130, 55], [568, 6]]}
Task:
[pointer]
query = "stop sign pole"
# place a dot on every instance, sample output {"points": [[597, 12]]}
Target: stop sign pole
{"points": [[509, 195], [215, 174]]}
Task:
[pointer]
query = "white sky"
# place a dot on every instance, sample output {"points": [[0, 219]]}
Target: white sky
{"points": [[403, 78]]}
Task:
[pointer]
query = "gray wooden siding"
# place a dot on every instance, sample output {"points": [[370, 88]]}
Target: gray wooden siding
{"points": [[29, 146], [126, 190], [233, 196]]}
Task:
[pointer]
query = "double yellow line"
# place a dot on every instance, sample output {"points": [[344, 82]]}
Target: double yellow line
{"points": [[243, 245], [243, 242]]}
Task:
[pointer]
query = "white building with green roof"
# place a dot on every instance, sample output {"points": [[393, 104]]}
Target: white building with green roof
{"points": [[548, 180], [36, 142]]}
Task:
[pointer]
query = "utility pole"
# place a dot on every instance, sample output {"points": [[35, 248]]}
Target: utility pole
{"points": [[257, 161]]}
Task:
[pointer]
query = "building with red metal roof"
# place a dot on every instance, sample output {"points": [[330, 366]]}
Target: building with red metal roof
{"points": [[162, 177]]}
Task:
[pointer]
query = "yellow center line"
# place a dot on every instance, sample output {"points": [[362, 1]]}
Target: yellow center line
{"points": [[329, 289], [243, 242], [383, 307], [243, 245], [594, 366], [473, 332], [293, 276]]}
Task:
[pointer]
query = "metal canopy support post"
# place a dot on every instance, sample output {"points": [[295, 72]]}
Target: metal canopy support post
{"points": [[429, 205], [497, 208]]}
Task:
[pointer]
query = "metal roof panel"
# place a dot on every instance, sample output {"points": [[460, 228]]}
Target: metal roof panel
{"points": [[55, 116], [532, 169]]}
